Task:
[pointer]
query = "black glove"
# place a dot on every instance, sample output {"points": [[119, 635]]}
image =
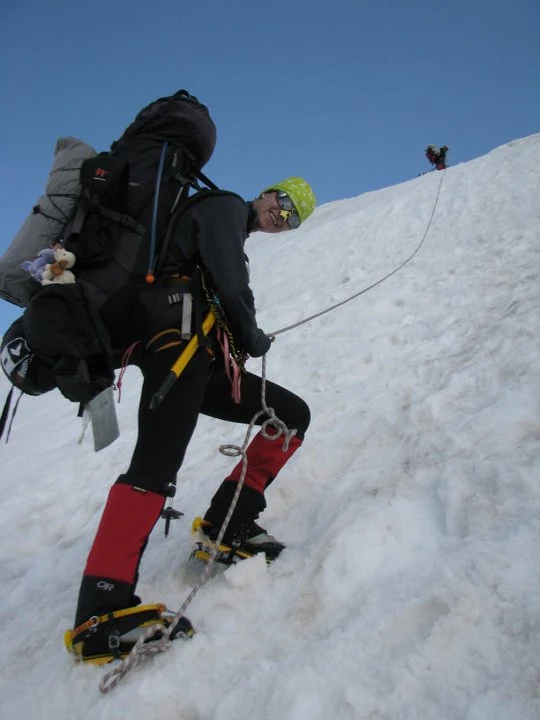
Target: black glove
{"points": [[261, 345]]}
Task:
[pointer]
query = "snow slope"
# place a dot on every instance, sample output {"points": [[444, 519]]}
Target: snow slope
{"points": [[410, 586]]}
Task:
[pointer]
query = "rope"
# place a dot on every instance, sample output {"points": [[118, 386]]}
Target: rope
{"points": [[142, 649], [378, 282]]}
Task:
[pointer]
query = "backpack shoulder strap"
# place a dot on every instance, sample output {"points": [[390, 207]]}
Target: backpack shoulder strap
{"points": [[204, 194], [198, 197]]}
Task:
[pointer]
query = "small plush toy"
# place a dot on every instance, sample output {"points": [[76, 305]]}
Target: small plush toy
{"points": [[36, 267], [58, 271]]}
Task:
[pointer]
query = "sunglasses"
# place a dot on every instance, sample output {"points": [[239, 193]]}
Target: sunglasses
{"points": [[288, 211]]}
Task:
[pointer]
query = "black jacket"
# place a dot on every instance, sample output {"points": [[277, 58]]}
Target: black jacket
{"points": [[437, 157], [211, 231]]}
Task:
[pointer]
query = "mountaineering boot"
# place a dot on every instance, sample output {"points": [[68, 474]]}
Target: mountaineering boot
{"points": [[239, 540], [244, 542], [112, 636], [248, 507]]}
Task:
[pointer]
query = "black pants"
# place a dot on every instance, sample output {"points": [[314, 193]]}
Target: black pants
{"points": [[164, 433], [203, 387]]}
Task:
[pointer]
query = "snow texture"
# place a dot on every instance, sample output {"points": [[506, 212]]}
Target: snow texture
{"points": [[410, 586]]}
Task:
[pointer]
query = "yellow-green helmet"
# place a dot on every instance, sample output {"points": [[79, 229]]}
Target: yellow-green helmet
{"points": [[300, 193]]}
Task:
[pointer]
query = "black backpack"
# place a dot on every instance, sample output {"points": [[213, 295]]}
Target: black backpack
{"points": [[130, 193], [117, 230]]}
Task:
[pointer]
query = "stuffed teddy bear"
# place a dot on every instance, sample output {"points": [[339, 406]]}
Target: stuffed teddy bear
{"points": [[51, 266], [36, 267], [58, 271]]}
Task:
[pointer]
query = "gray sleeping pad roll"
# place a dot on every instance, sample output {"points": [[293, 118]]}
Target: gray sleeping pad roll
{"points": [[46, 224]]}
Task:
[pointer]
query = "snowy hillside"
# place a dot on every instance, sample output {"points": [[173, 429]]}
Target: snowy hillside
{"points": [[410, 586]]}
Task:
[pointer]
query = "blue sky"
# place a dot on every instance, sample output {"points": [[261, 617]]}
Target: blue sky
{"points": [[344, 93]]}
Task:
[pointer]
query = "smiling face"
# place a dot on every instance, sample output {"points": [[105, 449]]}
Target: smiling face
{"points": [[268, 211]]}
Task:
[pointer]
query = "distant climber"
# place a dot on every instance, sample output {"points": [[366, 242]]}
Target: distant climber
{"points": [[437, 156]]}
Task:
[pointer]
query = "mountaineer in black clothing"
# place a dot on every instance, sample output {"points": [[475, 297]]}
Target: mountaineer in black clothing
{"points": [[437, 156], [149, 327]]}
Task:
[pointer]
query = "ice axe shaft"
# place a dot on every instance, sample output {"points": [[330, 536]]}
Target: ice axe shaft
{"points": [[180, 364]]}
